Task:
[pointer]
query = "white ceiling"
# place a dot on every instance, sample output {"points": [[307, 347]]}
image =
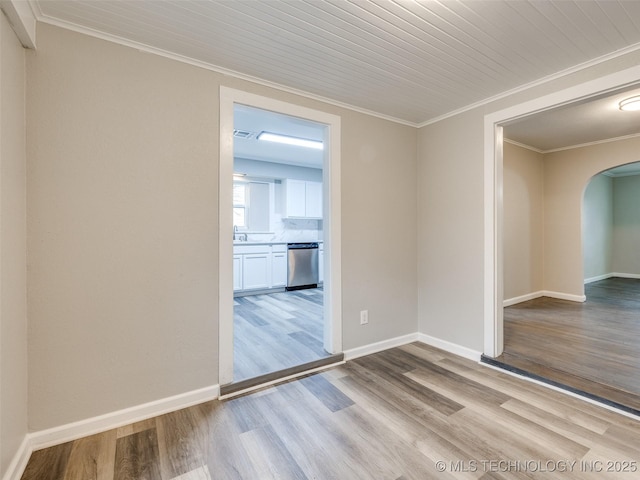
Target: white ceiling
{"points": [[411, 61], [255, 121], [597, 119]]}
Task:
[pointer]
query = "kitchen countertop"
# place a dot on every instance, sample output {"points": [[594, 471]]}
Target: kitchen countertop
{"points": [[236, 243]]}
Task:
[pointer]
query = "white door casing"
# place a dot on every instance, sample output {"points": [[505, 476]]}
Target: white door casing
{"points": [[493, 188], [331, 221]]}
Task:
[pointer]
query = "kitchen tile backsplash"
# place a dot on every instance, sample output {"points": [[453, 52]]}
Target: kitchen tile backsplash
{"points": [[290, 230]]}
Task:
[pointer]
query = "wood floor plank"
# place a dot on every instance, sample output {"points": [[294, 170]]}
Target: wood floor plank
{"points": [[179, 446], [592, 346], [49, 463], [329, 395], [136, 427], [277, 331], [271, 458], [365, 420], [93, 458], [137, 457]]}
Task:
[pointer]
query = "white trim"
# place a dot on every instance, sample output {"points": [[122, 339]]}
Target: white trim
{"points": [[564, 296], [380, 346], [208, 66], [22, 19], [450, 347], [598, 278], [597, 142], [522, 145], [331, 222], [611, 275], [108, 421], [625, 275], [547, 293], [560, 390], [522, 298], [536, 83], [281, 380], [19, 461], [493, 187]]}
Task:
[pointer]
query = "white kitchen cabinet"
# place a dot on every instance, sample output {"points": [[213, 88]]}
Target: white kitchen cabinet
{"points": [[237, 272], [303, 199], [256, 271], [259, 267], [279, 269], [313, 199], [295, 198]]}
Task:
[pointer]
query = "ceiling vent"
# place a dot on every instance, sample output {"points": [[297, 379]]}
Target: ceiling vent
{"points": [[242, 134]]}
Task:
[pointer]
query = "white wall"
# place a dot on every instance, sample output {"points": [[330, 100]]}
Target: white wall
{"points": [[523, 221], [597, 226], [122, 218], [451, 208], [13, 264], [626, 225]]}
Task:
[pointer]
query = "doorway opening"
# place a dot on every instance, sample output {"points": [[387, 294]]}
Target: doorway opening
{"points": [[567, 287], [280, 299]]}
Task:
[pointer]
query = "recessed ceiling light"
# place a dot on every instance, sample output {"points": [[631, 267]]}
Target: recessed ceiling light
{"points": [[289, 140], [630, 104]]}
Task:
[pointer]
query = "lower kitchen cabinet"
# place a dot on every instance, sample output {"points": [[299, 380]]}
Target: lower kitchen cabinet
{"points": [[279, 266], [259, 267], [237, 272], [255, 271]]}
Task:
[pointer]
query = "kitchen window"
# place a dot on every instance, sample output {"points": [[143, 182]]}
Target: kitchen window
{"points": [[240, 205]]}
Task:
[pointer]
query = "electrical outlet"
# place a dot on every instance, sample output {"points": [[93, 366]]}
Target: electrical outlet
{"points": [[364, 317]]}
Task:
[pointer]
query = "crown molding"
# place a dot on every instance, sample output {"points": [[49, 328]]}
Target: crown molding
{"points": [[215, 68], [522, 145], [589, 144], [536, 83], [35, 8], [22, 19]]}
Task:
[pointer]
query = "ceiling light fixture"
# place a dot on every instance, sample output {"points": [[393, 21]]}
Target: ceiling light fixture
{"points": [[289, 140], [630, 104]]}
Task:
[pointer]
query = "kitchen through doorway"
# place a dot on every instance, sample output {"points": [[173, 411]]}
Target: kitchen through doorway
{"points": [[280, 323]]}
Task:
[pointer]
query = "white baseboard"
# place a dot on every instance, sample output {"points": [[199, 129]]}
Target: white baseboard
{"points": [[450, 347], [597, 278], [625, 275], [544, 293], [564, 296], [108, 421], [522, 298], [19, 461], [379, 346], [611, 275]]}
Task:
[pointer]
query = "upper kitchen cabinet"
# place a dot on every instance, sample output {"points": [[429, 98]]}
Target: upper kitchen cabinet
{"points": [[303, 199]]}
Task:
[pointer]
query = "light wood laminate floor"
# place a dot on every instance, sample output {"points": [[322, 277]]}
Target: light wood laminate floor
{"points": [[276, 331], [412, 412], [593, 347]]}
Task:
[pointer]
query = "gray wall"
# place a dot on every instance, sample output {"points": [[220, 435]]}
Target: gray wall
{"points": [[523, 221], [13, 275], [451, 209], [123, 235], [597, 227], [626, 225]]}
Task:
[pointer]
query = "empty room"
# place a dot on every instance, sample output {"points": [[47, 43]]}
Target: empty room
{"points": [[319, 239]]}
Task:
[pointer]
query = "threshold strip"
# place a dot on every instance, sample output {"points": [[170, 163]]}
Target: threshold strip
{"points": [[251, 384], [591, 396]]}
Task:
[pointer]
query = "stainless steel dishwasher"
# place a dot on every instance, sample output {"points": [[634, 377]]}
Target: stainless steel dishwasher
{"points": [[302, 265]]}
